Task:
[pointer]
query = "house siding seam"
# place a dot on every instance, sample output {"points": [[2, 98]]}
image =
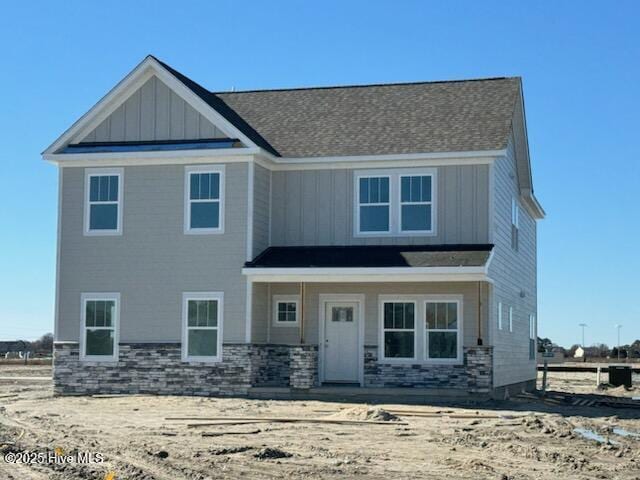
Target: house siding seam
{"points": [[513, 272]]}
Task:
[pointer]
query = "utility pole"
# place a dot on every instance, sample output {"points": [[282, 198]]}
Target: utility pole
{"points": [[583, 325], [618, 327]]}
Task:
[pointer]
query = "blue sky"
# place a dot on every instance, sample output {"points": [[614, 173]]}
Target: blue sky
{"points": [[579, 61]]}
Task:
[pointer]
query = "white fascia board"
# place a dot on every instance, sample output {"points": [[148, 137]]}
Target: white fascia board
{"points": [[129, 84], [532, 205], [381, 275], [483, 157], [216, 155]]}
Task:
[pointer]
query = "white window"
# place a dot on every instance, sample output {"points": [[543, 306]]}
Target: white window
{"points": [[398, 330], [202, 317], [204, 199], [416, 203], [511, 319], [515, 223], [374, 206], [442, 330], [499, 315], [285, 310], [99, 326], [532, 337], [103, 201], [395, 202]]}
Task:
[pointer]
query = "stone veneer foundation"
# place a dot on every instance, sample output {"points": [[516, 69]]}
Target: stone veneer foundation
{"points": [[473, 375], [157, 368]]}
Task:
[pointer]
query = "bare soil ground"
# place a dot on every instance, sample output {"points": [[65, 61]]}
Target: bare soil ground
{"points": [[515, 439]]}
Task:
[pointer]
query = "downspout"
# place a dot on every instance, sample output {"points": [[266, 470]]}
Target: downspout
{"points": [[301, 313], [480, 314]]}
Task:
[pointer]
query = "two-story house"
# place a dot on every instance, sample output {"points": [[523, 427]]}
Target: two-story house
{"points": [[372, 236]]}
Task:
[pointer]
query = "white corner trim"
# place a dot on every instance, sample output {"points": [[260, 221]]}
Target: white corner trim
{"points": [[250, 194], [248, 319], [186, 296], [92, 172], [277, 299], [188, 170], [84, 298]]}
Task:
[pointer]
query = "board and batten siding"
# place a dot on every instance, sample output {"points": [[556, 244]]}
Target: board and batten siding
{"points": [[154, 112], [513, 272], [153, 262], [316, 207], [261, 209], [371, 291]]}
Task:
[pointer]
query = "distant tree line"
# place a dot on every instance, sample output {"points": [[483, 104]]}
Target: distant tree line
{"points": [[42, 347], [600, 350]]}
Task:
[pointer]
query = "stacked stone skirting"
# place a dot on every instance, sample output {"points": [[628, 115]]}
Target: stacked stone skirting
{"points": [[157, 368], [473, 375]]}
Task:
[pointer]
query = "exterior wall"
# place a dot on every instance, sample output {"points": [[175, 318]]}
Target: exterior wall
{"points": [[291, 335], [474, 375], [154, 112], [261, 209], [315, 207], [513, 272], [151, 368], [153, 262]]}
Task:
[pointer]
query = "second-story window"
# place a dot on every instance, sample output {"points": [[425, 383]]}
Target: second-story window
{"points": [[415, 203], [374, 204], [204, 203], [103, 211]]}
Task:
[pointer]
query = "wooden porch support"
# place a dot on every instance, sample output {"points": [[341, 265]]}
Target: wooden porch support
{"points": [[301, 312], [480, 342]]}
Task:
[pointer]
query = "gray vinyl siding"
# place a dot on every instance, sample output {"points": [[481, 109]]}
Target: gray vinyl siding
{"points": [[316, 207], [291, 335], [512, 273], [154, 112], [153, 262], [261, 209]]}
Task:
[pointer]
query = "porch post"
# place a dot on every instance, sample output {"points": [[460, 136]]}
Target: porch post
{"points": [[301, 313]]}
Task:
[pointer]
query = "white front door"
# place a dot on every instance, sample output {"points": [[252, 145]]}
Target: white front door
{"points": [[341, 342]]}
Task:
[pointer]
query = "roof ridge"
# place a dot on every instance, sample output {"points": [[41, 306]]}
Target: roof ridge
{"points": [[366, 85]]}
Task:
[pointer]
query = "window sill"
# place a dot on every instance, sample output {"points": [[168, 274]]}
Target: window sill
{"points": [[286, 325], [204, 231], [202, 360], [99, 359], [415, 361], [102, 233]]}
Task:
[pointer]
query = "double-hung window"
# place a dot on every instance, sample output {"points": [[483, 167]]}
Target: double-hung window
{"points": [[374, 207], [204, 202], [442, 330], [515, 224], [99, 327], [398, 329], [285, 310], [415, 203], [103, 204], [398, 202], [532, 337], [202, 327], [499, 315]]}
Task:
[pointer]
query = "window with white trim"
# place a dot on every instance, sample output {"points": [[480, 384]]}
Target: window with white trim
{"points": [[103, 201], [442, 331], [202, 326], [499, 315], [398, 329], [532, 337], [399, 202], [511, 319], [374, 205], [99, 336], [204, 199], [285, 310], [415, 203], [515, 224]]}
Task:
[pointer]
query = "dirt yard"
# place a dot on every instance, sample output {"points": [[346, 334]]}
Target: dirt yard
{"points": [[522, 438]]}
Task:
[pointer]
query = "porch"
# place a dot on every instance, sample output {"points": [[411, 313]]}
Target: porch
{"points": [[399, 328]]}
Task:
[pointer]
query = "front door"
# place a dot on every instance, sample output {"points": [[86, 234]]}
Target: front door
{"points": [[341, 342]]}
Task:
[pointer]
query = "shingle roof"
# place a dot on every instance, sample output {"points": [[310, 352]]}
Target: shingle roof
{"points": [[373, 256], [452, 116]]}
